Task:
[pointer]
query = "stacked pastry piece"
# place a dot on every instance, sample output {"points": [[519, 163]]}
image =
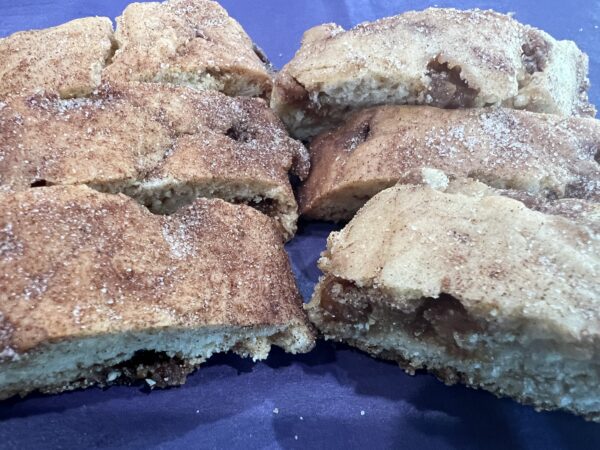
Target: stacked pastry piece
{"points": [[185, 42], [162, 145], [94, 287], [153, 87], [438, 57], [478, 257]]}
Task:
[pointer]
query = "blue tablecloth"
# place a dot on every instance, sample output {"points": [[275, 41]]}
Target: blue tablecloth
{"points": [[334, 397]]}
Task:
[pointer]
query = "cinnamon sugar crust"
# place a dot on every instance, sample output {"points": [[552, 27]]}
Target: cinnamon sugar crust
{"points": [[66, 60], [446, 58], [88, 280], [164, 146], [538, 154], [193, 43]]}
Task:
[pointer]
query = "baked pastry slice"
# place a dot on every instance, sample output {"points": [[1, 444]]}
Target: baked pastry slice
{"points": [[94, 289], [66, 60], [164, 146], [439, 57], [476, 289], [540, 154], [193, 43]]}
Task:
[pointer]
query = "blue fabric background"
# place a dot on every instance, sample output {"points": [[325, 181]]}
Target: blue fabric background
{"points": [[320, 397]]}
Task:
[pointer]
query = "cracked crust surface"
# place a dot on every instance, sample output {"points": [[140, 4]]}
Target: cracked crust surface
{"points": [[162, 145], [66, 60], [86, 275], [539, 154], [474, 287], [187, 42], [440, 57]]}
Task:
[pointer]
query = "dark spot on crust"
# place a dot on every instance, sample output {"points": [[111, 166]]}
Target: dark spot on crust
{"points": [[535, 53], [239, 133], [447, 88], [461, 237], [361, 134], [495, 61], [580, 189], [199, 33], [292, 91], [262, 55], [145, 364], [423, 26], [39, 183], [266, 206], [446, 283], [443, 317], [334, 289], [496, 273]]}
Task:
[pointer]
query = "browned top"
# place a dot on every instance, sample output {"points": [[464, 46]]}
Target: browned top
{"points": [[67, 59], [189, 42], [536, 153], [100, 139], [76, 262], [145, 132], [245, 126]]}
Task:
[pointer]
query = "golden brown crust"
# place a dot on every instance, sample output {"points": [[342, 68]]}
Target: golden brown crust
{"points": [[438, 57], [141, 136], [67, 59], [188, 42], [79, 263], [539, 154]]}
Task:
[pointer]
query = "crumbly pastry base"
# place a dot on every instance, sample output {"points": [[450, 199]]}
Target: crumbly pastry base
{"points": [[518, 360], [161, 357]]}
